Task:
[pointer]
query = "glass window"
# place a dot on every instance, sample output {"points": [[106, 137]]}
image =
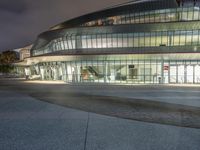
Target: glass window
{"points": [[59, 45], [78, 42], [184, 14], [104, 42], [142, 17], [65, 43], [141, 40], [99, 45], [152, 16], [157, 16], [62, 44], [94, 41], [188, 37], [109, 40], [176, 38], [182, 37], [132, 19], [114, 40], [196, 14], [147, 39], [137, 18], [125, 40], [190, 14], [53, 46], [123, 19], [146, 17], [69, 42], [73, 40], [84, 42], [195, 40], [89, 41], [120, 41], [130, 40], [136, 40], [163, 15], [153, 39], [164, 39], [158, 39]]}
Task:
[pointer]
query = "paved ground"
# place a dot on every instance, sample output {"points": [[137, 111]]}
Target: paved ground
{"points": [[188, 95], [87, 98], [178, 95], [29, 124]]}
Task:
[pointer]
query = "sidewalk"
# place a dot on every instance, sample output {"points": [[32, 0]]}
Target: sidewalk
{"points": [[27, 123], [117, 84]]}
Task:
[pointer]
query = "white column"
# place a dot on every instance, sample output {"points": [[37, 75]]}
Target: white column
{"points": [[42, 72], [69, 72]]}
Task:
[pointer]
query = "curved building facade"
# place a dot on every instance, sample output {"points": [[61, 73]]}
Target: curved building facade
{"points": [[140, 42]]}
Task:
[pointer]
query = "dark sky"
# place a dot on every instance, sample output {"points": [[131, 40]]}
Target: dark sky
{"points": [[22, 20]]}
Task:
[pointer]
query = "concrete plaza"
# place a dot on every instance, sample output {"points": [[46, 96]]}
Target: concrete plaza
{"points": [[26, 123], [29, 123]]}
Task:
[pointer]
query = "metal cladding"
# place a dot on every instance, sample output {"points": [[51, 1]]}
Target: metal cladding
{"points": [[73, 25], [154, 17]]}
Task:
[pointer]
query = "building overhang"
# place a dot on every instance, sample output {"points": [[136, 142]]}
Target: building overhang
{"points": [[45, 38], [77, 58]]}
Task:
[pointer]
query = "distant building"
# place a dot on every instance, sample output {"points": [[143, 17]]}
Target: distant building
{"points": [[21, 66], [24, 52]]}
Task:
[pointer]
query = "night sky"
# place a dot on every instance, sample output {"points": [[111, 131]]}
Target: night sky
{"points": [[22, 20]]}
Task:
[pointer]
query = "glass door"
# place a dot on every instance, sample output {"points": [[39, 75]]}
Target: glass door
{"points": [[181, 74], [197, 74], [190, 74], [173, 74]]}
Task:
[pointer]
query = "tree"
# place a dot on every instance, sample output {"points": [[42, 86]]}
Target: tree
{"points": [[6, 60], [8, 57]]}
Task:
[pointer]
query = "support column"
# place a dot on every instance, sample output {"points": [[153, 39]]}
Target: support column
{"points": [[185, 73], [193, 74], [77, 73], [42, 72], [162, 71], [105, 71], [69, 72], [169, 73]]}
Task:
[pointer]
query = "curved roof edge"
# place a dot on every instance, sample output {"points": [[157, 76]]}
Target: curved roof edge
{"points": [[136, 6]]}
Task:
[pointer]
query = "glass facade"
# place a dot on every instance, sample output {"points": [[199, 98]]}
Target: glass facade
{"points": [[154, 16], [126, 71], [122, 40], [158, 41]]}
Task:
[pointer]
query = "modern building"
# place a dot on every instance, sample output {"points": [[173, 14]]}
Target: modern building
{"points": [[25, 52], [139, 42], [21, 64]]}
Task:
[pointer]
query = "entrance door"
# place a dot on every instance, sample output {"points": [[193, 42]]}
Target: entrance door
{"points": [[181, 74], [190, 74], [197, 74], [133, 73], [173, 74]]}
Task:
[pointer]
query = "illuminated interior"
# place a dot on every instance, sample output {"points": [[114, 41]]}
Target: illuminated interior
{"points": [[141, 43]]}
